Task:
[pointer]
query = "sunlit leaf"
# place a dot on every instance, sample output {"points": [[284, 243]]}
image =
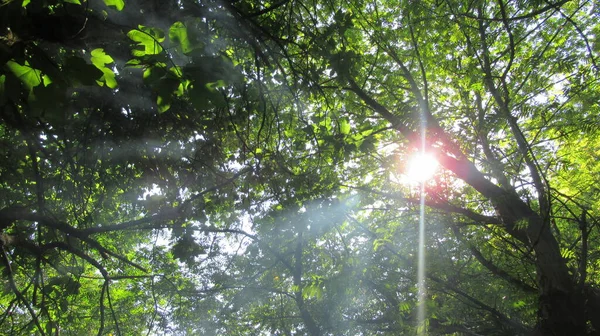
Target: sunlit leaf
{"points": [[100, 58], [29, 76], [149, 39], [118, 4], [178, 34], [344, 127]]}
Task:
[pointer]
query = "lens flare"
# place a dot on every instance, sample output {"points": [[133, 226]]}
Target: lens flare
{"points": [[421, 167]]}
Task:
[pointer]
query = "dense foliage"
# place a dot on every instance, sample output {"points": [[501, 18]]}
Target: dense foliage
{"points": [[210, 167]]}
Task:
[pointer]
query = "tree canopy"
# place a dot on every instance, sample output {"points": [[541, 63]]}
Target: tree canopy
{"points": [[214, 167]]}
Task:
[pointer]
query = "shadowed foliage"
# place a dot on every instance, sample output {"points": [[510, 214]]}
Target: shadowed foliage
{"points": [[240, 167]]}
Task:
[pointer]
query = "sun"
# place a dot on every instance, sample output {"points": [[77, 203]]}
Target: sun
{"points": [[421, 167]]}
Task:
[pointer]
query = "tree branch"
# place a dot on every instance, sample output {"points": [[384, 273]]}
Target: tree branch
{"points": [[518, 17], [18, 293], [490, 265]]}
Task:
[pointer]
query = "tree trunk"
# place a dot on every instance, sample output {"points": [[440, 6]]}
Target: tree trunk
{"points": [[561, 305]]}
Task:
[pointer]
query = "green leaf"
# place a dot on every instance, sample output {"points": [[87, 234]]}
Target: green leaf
{"points": [[405, 307], [215, 85], [186, 248], [367, 146], [109, 78], [178, 34], [567, 253], [519, 304], [82, 72], [148, 40], [164, 103], [29, 76], [379, 243], [165, 88], [100, 59], [118, 4], [181, 89], [153, 74], [344, 126]]}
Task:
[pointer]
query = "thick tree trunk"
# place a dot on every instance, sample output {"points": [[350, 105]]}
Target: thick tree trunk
{"points": [[561, 305], [561, 313], [592, 307], [561, 309]]}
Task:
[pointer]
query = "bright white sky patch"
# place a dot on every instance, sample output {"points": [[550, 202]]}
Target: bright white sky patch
{"points": [[421, 167]]}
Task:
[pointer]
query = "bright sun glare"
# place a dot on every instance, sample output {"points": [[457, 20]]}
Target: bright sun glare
{"points": [[421, 167]]}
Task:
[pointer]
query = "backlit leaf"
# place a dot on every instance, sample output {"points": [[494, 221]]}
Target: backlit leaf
{"points": [[118, 4], [149, 40], [29, 76], [344, 126], [178, 34], [100, 59]]}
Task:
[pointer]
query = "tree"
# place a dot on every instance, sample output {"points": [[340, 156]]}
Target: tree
{"points": [[236, 167]]}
